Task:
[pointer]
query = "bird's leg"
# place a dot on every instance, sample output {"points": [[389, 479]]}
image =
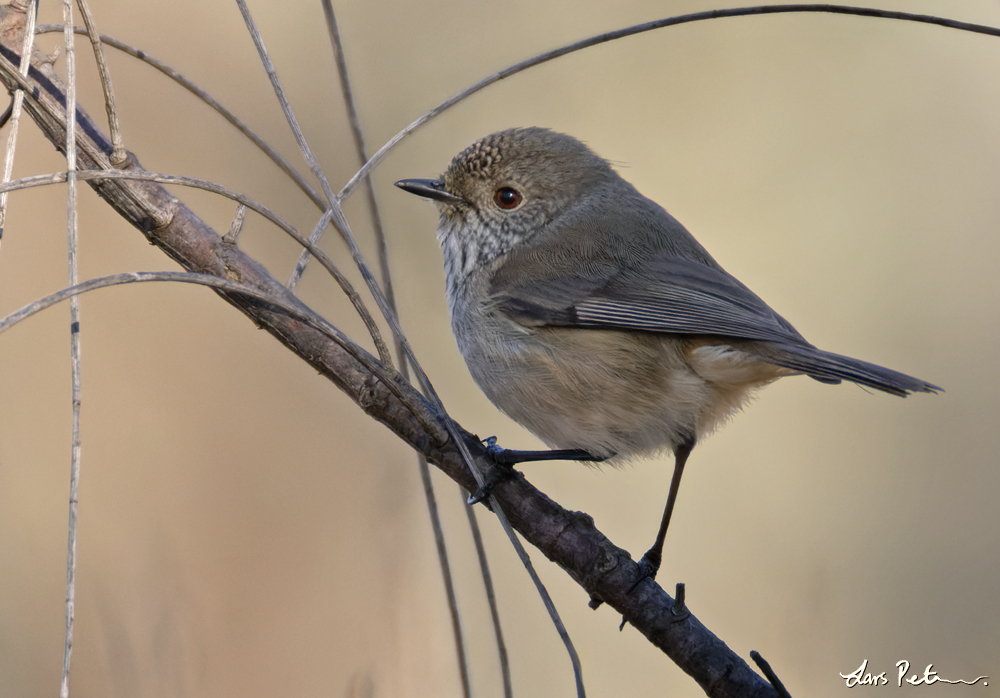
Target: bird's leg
{"points": [[650, 562], [505, 459]]}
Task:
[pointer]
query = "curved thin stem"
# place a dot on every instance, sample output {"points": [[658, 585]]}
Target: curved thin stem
{"points": [[522, 554], [446, 575], [15, 109], [362, 150], [433, 512], [491, 598], [215, 188], [110, 104], [208, 99], [639, 29], [286, 108], [299, 312]]}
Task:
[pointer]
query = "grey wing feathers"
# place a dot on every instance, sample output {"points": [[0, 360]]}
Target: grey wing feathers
{"points": [[686, 297], [664, 294], [672, 294]]}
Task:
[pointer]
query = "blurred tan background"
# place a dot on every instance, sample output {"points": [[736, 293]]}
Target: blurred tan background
{"points": [[246, 531]]}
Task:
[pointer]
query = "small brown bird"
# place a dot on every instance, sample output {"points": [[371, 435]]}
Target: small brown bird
{"points": [[591, 316]]}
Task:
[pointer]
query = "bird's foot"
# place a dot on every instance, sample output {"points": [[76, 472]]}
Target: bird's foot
{"points": [[504, 470], [504, 459], [493, 449], [507, 456]]}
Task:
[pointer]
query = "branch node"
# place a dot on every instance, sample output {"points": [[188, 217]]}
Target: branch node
{"points": [[237, 226], [679, 610], [367, 395], [120, 160], [162, 218]]}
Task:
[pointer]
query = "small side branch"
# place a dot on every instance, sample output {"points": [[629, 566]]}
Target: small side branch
{"points": [[769, 673]]}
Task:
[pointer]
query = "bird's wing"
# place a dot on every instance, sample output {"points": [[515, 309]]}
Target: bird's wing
{"points": [[672, 294], [663, 293]]}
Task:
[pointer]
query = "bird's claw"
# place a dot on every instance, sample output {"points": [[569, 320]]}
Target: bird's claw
{"points": [[483, 492], [492, 448]]}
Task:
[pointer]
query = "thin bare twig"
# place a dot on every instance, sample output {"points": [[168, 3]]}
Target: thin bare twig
{"points": [[769, 674], [215, 188], [334, 211], [208, 99], [336, 214], [347, 287], [491, 597], [638, 29], [110, 105], [144, 175], [15, 109], [362, 150], [437, 528], [522, 554], [298, 311], [449, 583], [237, 226], [5, 117], [136, 277], [286, 108], [74, 312]]}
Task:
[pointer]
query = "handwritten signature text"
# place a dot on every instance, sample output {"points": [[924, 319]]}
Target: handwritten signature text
{"points": [[862, 677]]}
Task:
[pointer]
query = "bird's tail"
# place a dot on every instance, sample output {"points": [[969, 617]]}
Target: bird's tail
{"points": [[827, 367]]}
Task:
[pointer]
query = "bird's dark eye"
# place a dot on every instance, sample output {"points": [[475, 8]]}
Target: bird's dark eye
{"points": [[507, 198]]}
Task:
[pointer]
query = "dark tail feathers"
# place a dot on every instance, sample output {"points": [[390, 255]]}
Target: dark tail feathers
{"points": [[827, 367]]}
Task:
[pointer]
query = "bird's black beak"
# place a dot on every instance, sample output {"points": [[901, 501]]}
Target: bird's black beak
{"points": [[430, 189]]}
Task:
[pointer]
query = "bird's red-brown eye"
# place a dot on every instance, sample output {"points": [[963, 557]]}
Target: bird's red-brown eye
{"points": [[507, 198]]}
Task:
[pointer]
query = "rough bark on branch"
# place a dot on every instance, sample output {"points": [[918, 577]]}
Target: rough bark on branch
{"points": [[568, 538]]}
